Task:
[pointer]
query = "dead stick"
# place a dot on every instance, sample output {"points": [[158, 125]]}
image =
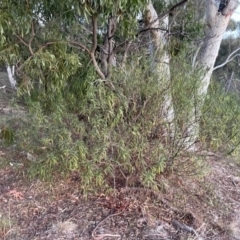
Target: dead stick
{"points": [[111, 215]]}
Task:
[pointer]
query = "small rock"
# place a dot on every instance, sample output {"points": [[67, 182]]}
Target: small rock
{"points": [[31, 158]]}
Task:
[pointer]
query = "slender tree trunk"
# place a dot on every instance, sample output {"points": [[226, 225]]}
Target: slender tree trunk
{"points": [[161, 60], [107, 54]]}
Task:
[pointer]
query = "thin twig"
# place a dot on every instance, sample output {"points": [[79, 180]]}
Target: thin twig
{"points": [[101, 236], [229, 59], [169, 11], [111, 215], [31, 39], [2, 108], [21, 40]]}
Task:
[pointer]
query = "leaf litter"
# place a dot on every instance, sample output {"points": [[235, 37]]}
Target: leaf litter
{"points": [[185, 208]]}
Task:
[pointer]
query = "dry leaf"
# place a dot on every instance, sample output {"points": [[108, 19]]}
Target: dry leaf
{"points": [[16, 194]]}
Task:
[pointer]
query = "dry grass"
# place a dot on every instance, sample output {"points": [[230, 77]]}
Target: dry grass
{"points": [[5, 226]]}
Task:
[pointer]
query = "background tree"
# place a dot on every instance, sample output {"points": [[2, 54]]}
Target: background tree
{"points": [[217, 20], [216, 25], [226, 69]]}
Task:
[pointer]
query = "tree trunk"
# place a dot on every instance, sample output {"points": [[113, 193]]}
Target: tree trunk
{"points": [[160, 60], [216, 25], [107, 54]]}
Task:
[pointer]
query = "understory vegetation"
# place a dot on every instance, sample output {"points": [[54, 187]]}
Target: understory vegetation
{"points": [[220, 121], [109, 134]]}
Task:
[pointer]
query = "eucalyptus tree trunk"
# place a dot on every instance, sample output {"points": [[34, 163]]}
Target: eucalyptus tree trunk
{"points": [[217, 20], [160, 60]]}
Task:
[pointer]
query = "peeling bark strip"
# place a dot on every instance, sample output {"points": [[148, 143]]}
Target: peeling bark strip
{"points": [[160, 58]]}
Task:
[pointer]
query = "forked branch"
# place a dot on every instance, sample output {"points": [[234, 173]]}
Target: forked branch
{"points": [[229, 59]]}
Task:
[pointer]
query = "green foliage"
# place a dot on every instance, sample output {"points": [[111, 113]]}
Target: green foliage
{"points": [[77, 123], [109, 137], [38, 37], [186, 27], [185, 83], [220, 120], [233, 25], [7, 134], [106, 135], [5, 226]]}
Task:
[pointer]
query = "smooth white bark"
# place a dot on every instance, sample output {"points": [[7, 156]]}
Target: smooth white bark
{"points": [[216, 25], [160, 59], [11, 78]]}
